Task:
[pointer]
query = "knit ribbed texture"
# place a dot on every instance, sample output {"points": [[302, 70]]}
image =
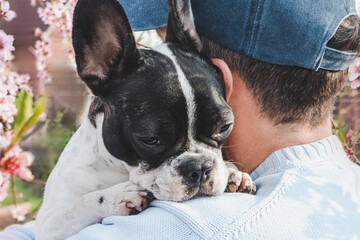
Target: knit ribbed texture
{"points": [[304, 192]]}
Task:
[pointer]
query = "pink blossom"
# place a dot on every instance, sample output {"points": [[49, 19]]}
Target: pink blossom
{"points": [[349, 136], [5, 11], [18, 79], [3, 90], [355, 84], [58, 14], [7, 108], [4, 185], [6, 44], [5, 139], [14, 162], [354, 74], [18, 213], [12, 88], [38, 32], [27, 88], [17, 163], [25, 160], [44, 76], [350, 152], [42, 54], [33, 3]]}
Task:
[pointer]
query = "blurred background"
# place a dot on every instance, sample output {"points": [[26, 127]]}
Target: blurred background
{"points": [[38, 59]]}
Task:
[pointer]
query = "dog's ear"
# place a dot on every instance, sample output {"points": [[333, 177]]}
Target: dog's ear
{"points": [[103, 43], [181, 27]]}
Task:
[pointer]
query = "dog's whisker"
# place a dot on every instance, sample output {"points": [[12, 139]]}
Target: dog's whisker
{"points": [[230, 146]]}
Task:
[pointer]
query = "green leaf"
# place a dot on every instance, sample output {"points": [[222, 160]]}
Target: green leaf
{"points": [[39, 107], [23, 104], [343, 132]]}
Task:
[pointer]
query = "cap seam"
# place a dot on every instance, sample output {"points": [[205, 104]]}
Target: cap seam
{"points": [[254, 33], [320, 54], [251, 22]]}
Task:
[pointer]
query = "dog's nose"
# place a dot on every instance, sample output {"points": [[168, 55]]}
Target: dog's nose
{"points": [[196, 173]]}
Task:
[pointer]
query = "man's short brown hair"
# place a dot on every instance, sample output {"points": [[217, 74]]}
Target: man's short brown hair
{"points": [[289, 94]]}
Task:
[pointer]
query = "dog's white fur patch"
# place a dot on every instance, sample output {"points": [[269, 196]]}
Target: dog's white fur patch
{"points": [[84, 167], [186, 89]]}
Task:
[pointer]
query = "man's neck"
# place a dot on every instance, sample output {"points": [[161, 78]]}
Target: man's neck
{"points": [[255, 137]]}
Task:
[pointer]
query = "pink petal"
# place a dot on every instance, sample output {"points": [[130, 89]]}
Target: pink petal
{"points": [[3, 194], [26, 159], [4, 185], [350, 134], [24, 173], [38, 32], [355, 84], [10, 15], [18, 213], [354, 67], [353, 76], [5, 6]]}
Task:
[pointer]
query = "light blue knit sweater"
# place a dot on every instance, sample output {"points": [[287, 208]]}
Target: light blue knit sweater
{"points": [[304, 192]]}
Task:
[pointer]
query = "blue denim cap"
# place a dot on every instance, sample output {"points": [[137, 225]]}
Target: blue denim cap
{"points": [[146, 14], [283, 32]]}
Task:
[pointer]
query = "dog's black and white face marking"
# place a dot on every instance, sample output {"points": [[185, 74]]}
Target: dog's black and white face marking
{"points": [[164, 110]]}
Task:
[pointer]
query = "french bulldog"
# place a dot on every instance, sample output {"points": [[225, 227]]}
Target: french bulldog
{"points": [[154, 129]]}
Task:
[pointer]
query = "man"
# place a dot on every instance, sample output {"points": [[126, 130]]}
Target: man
{"points": [[283, 62]]}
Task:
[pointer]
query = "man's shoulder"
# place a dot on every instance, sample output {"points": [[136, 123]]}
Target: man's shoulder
{"points": [[303, 202], [307, 201]]}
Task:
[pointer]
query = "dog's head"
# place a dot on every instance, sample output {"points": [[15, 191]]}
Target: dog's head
{"points": [[165, 112]]}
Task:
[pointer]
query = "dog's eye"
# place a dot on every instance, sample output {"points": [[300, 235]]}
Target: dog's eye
{"points": [[225, 128], [151, 141]]}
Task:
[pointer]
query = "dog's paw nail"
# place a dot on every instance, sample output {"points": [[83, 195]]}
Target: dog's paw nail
{"points": [[130, 205], [143, 194], [134, 212], [253, 189], [232, 187]]}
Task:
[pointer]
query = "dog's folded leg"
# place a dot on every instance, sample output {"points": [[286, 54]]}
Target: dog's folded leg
{"points": [[122, 199], [239, 181]]}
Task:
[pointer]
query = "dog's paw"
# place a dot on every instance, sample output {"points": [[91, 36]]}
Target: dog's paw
{"points": [[240, 182], [133, 200], [137, 205]]}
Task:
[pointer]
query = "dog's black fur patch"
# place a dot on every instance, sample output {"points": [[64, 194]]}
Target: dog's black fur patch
{"points": [[96, 107]]}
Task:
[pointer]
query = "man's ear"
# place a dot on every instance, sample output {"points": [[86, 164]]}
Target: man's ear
{"points": [[226, 74], [181, 27], [103, 43]]}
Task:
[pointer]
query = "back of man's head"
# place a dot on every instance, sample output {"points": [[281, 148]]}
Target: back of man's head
{"points": [[290, 94], [289, 83], [284, 56]]}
